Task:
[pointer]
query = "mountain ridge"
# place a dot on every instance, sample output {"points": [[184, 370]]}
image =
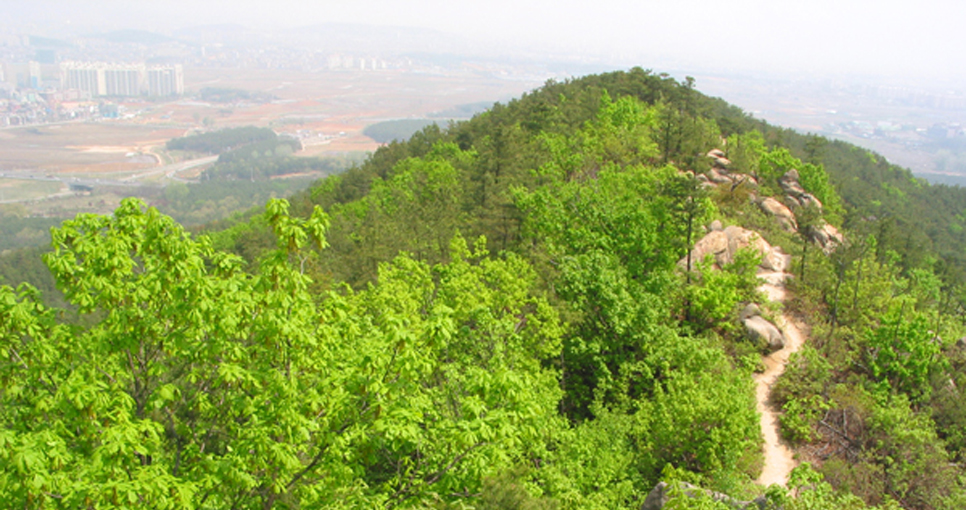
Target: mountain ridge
{"points": [[494, 314]]}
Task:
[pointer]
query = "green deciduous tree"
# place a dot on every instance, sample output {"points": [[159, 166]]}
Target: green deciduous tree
{"points": [[904, 355], [197, 385]]}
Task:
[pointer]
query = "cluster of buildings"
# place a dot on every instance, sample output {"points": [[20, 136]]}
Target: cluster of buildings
{"points": [[102, 79], [96, 79], [339, 61], [39, 92], [911, 97]]}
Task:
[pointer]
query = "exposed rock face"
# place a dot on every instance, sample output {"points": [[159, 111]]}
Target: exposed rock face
{"points": [[715, 243], [776, 260], [806, 200], [723, 244], [739, 238], [750, 310], [763, 332], [827, 237], [790, 185], [718, 176], [784, 215], [718, 159], [661, 493], [795, 194], [747, 180], [760, 330]]}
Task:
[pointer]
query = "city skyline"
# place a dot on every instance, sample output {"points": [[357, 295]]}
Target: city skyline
{"points": [[857, 39]]}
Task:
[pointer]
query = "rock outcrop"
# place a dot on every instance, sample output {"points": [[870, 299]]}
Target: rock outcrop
{"points": [[826, 236], [795, 194], [661, 494], [722, 173], [718, 159], [763, 333], [723, 243], [719, 176], [790, 185], [782, 213]]}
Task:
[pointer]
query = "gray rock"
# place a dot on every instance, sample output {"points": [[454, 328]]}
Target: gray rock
{"points": [[740, 238], [657, 498], [718, 159], [721, 162], [764, 333], [661, 494], [826, 236], [715, 226], [792, 202], [723, 244], [715, 243], [810, 200], [790, 185], [776, 260], [718, 176], [749, 311], [783, 214]]}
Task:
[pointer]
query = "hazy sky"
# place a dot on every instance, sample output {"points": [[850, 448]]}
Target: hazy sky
{"points": [[925, 38]]}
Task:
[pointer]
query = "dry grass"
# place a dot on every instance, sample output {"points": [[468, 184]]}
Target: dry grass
{"points": [[27, 189], [80, 147]]}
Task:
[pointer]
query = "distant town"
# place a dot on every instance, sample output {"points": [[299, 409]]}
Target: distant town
{"points": [[117, 75], [45, 80]]}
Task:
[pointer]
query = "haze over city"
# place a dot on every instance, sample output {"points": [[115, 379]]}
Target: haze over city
{"points": [[884, 75], [543, 255], [905, 41]]}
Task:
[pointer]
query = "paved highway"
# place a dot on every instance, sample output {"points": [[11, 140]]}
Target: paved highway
{"points": [[134, 180]]}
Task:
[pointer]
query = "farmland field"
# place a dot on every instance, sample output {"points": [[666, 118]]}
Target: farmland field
{"points": [[104, 160], [93, 147], [332, 106]]}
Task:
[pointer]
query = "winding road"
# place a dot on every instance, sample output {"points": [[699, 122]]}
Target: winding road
{"points": [[133, 180]]}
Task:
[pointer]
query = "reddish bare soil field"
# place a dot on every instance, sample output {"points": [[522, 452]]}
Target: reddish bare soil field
{"points": [[334, 105]]}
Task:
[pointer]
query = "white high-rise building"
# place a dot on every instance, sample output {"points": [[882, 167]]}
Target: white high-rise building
{"points": [[85, 77], [165, 80], [123, 80], [102, 79]]}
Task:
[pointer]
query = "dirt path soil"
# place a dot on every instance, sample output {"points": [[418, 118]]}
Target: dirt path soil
{"points": [[779, 458]]}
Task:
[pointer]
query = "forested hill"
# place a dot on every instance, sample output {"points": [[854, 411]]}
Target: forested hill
{"points": [[918, 221], [506, 314]]}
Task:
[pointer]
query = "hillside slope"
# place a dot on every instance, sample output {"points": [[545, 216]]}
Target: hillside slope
{"points": [[553, 305]]}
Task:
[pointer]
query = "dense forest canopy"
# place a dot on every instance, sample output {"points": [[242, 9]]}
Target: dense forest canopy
{"points": [[400, 129], [503, 314], [217, 142]]}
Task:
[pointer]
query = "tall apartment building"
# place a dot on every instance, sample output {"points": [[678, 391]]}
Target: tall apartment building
{"points": [[22, 74], [102, 79], [165, 80], [85, 77], [123, 80]]}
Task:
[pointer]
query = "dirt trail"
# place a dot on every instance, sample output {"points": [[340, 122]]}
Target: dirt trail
{"points": [[779, 459]]}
